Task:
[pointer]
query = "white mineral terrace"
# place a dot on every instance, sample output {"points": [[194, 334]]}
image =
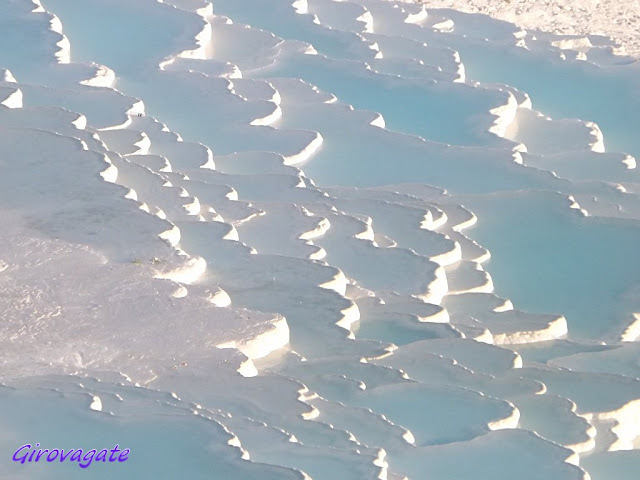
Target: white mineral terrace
{"points": [[320, 239]]}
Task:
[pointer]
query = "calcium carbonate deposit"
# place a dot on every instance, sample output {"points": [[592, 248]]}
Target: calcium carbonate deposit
{"points": [[317, 239]]}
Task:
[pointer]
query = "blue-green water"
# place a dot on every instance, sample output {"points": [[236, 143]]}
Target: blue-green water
{"points": [[547, 258], [565, 89]]}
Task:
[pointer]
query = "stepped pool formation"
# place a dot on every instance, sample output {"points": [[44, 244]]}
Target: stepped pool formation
{"points": [[315, 239]]}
